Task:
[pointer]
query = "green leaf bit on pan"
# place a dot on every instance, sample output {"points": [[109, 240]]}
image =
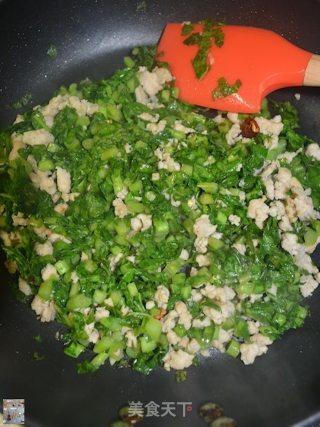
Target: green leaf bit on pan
{"points": [[154, 233], [141, 6], [225, 89], [52, 52], [38, 338], [23, 102], [36, 356], [212, 31], [181, 376]]}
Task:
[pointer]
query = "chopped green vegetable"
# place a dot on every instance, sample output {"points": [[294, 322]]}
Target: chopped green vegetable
{"points": [[127, 415], [187, 28], [37, 356], [141, 6], [233, 348], [224, 422], [225, 89], [52, 52], [210, 411], [153, 232], [212, 31], [181, 376], [74, 349], [23, 101], [38, 338]]}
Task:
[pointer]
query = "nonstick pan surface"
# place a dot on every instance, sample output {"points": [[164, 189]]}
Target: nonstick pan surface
{"points": [[282, 388]]}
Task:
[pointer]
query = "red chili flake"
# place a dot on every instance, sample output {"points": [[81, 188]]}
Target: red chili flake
{"points": [[249, 128]]}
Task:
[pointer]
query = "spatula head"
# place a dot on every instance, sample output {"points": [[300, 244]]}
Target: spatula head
{"points": [[262, 60]]}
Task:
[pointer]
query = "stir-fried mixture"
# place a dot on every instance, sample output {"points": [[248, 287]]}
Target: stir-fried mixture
{"points": [[155, 233]]}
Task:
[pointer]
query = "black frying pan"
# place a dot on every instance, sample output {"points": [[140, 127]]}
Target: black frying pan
{"points": [[282, 388]]}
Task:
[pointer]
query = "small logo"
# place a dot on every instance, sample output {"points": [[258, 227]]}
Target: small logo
{"points": [[13, 411]]}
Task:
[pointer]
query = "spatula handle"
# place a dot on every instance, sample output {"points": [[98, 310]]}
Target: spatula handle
{"points": [[312, 74]]}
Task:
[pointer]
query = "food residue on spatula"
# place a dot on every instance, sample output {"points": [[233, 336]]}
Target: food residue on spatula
{"points": [[230, 68]]}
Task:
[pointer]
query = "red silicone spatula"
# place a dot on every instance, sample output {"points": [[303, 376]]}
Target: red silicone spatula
{"points": [[262, 60]]}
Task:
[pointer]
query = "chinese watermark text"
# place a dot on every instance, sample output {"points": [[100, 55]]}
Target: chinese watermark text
{"points": [[163, 409]]}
